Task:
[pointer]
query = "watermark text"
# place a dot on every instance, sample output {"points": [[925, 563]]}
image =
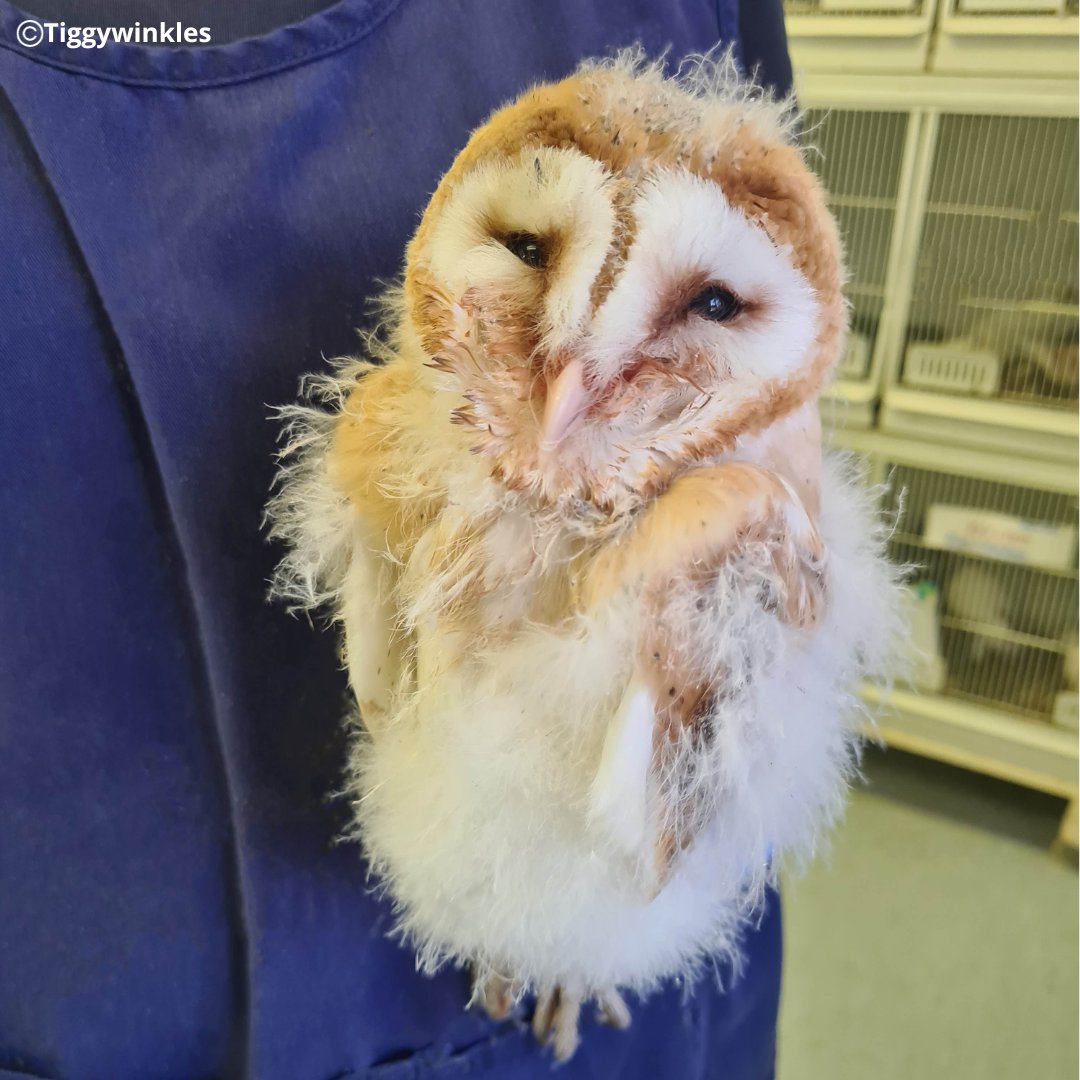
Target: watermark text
{"points": [[31, 33]]}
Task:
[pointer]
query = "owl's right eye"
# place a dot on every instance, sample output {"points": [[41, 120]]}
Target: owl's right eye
{"points": [[528, 248], [715, 303]]}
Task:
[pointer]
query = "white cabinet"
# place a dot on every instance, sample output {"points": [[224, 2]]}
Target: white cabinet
{"points": [[860, 35], [984, 37], [994, 37]]}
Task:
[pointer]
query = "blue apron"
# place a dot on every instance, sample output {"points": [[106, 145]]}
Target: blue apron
{"points": [[183, 232]]}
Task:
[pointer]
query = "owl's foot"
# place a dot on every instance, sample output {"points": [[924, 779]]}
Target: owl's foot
{"points": [[558, 1012], [555, 1021]]}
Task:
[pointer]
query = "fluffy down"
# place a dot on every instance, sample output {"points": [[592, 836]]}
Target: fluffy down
{"points": [[477, 797], [471, 508]]}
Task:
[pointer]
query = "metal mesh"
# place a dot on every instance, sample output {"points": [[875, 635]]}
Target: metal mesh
{"points": [[1005, 628], [996, 8], [853, 7], [997, 267], [858, 158]]}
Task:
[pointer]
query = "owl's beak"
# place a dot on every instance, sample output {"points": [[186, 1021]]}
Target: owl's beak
{"points": [[567, 400]]}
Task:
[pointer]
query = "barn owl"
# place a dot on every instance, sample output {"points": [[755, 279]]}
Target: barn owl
{"points": [[603, 598]]}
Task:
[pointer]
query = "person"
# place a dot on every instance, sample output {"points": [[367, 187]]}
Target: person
{"points": [[185, 229]]}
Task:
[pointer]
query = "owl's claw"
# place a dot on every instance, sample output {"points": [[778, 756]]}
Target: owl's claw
{"points": [[555, 1021], [558, 1012]]}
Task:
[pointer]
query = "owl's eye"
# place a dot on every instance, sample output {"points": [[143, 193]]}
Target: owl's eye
{"points": [[528, 248], [716, 304]]}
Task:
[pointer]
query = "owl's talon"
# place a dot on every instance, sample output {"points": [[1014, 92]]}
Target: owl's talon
{"points": [[558, 1014], [613, 1010], [555, 1021]]}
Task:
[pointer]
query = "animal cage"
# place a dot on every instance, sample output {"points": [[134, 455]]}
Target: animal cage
{"points": [[991, 547], [1021, 37], [1008, 606], [860, 35], [885, 8], [859, 156], [971, 37], [957, 197], [989, 347], [1011, 7], [997, 260]]}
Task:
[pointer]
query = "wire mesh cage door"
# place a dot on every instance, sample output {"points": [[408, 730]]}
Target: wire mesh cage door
{"points": [[860, 157], [1011, 7], [999, 561], [884, 8], [993, 312]]}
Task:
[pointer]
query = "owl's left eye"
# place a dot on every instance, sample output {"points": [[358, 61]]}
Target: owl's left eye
{"points": [[528, 248], [716, 304]]}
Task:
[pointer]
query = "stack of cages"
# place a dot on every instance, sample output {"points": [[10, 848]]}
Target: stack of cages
{"points": [[989, 354], [993, 586], [983, 373], [1019, 37], [956, 190], [860, 157], [860, 35]]}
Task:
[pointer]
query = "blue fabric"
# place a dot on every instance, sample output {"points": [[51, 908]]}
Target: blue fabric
{"points": [[182, 233]]}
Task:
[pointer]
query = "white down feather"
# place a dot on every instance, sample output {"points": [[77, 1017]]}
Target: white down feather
{"points": [[477, 804]]}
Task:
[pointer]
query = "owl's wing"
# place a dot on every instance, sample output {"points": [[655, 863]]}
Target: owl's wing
{"points": [[634, 798], [361, 454], [374, 647], [644, 794]]}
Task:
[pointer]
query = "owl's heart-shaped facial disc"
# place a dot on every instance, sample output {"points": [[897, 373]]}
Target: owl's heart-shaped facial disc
{"points": [[618, 279]]}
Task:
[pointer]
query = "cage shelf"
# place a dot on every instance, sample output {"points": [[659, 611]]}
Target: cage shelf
{"points": [[1025, 714], [862, 288], [861, 202], [852, 7], [1011, 7], [1021, 307], [1008, 24], [992, 213], [1001, 633], [982, 422], [910, 540], [852, 35], [974, 736]]}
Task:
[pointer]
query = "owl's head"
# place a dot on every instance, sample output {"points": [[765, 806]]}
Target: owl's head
{"points": [[622, 275]]}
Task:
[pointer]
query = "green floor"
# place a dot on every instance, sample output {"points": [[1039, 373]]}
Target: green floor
{"points": [[937, 939]]}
